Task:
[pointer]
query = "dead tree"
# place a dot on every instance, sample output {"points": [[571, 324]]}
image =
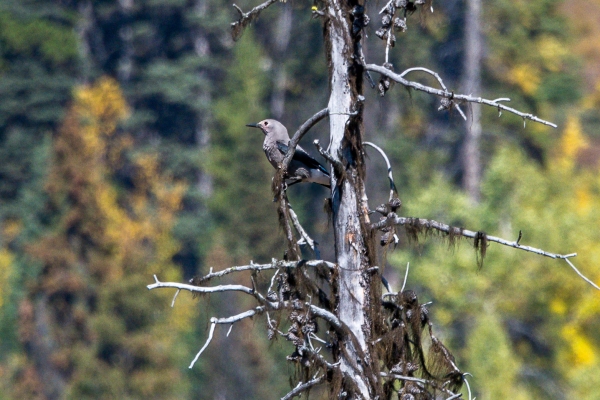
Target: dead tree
{"points": [[345, 333]]}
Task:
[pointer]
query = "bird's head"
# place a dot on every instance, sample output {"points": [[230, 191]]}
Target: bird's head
{"points": [[270, 126]]}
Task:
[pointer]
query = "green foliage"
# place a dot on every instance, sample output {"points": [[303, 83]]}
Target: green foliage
{"points": [[245, 211], [550, 334], [80, 319]]}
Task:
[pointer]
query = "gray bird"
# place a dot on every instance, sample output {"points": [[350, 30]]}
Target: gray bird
{"points": [[302, 168]]}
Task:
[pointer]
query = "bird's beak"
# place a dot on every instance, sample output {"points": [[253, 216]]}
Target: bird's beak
{"points": [[253, 125]]}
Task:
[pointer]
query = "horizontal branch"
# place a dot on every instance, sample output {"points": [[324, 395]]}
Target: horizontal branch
{"points": [[200, 289], [451, 96], [403, 378], [275, 264], [316, 311], [452, 230]]}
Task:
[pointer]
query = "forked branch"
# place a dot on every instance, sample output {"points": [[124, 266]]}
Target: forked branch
{"points": [[452, 97], [237, 27]]}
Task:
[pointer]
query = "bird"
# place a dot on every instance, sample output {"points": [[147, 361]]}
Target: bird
{"points": [[303, 167]]}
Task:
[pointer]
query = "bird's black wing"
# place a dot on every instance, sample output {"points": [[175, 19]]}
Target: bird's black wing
{"points": [[302, 156]]}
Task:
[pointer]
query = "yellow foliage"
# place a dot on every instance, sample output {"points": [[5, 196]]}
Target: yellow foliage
{"points": [[571, 143], [526, 77], [582, 351], [552, 52], [6, 260], [558, 306], [103, 102], [100, 107], [11, 229], [592, 100]]}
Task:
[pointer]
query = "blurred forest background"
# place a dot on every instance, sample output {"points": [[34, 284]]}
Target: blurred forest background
{"points": [[123, 153]]}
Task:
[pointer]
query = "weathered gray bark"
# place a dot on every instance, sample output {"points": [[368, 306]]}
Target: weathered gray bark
{"points": [[348, 201], [472, 84]]}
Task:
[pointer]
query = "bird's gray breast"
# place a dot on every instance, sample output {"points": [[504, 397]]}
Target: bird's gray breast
{"points": [[273, 154]]}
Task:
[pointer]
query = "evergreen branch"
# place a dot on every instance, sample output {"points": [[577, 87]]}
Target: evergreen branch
{"points": [[450, 96]]}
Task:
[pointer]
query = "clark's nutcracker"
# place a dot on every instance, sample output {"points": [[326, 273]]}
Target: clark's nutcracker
{"points": [[302, 168]]}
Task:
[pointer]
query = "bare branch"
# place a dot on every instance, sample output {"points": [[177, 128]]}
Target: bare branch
{"points": [[337, 166], [237, 27], [228, 320], [175, 297], [451, 230], [441, 227], [201, 289], [389, 167], [305, 127], [451, 96], [430, 72], [580, 274], [210, 336], [405, 277], [313, 245], [302, 387], [403, 378], [275, 264]]}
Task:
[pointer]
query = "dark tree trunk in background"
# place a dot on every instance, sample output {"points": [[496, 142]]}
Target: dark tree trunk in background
{"points": [[472, 84], [283, 31]]}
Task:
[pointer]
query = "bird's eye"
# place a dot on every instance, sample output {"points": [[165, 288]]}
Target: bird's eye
{"points": [[266, 123]]}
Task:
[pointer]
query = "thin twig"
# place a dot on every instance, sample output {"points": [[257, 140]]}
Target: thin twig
{"points": [[313, 245], [275, 264], [468, 388], [403, 378], [389, 167], [450, 95], [302, 387], [434, 74], [580, 274], [238, 26], [174, 297], [405, 277], [337, 166], [210, 336], [228, 320]]}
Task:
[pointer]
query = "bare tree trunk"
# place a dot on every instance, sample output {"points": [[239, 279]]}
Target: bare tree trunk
{"points": [[472, 84], [348, 201]]}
